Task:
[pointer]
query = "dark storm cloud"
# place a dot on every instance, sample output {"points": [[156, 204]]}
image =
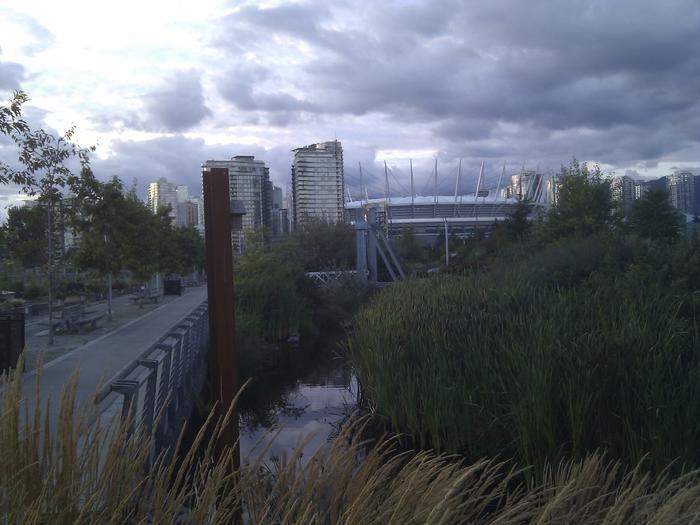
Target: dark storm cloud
{"points": [[618, 80], [178, 104]]}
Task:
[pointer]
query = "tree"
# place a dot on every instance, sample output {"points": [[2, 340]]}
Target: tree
{"points": [[319, 245], [187, 250], [653, 217], [26, 235], [103, 238], [45, 171], [517, 225], [13, 126], [584, 204]]}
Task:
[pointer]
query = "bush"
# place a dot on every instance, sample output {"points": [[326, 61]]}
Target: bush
{"points": [[34, 291]]}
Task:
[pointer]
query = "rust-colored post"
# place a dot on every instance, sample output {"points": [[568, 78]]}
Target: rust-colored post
{"points": [[223, 366]]}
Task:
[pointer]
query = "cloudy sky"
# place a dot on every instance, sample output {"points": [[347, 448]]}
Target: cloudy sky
{"points": [[160, 87]]}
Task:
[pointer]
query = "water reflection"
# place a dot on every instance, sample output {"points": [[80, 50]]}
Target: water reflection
{"points": [[300, 397]]}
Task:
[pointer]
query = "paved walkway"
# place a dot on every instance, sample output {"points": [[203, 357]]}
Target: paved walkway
{"points": [[100, 359]]}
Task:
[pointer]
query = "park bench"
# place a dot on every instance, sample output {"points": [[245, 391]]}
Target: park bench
{"points": [[146, 294], [74, 318]]}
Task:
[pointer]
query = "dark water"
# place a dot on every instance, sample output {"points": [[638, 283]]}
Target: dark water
{"points": [[296, 394]]}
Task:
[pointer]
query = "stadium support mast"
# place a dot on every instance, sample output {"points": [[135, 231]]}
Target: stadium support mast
{"points": [[436, 192], [478, 181], [500, 179], [387, 198], [361, 182], [457, 184], [478, 185], [413, 193], [435, 184], [387, 194]]}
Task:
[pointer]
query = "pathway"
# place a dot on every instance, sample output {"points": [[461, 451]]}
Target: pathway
{"points": [[100, 359]]}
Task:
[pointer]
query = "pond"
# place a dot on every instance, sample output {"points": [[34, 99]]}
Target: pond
{"points": [[297, 395]]}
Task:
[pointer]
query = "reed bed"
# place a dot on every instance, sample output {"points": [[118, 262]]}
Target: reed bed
{"points": [[83, 473], [510, 363]]}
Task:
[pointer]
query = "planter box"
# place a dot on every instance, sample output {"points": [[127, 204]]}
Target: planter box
{"points": [[11, 339]]}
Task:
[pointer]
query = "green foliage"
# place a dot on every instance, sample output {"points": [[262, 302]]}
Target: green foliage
{"points": [[26, 235], [574, 350], [407, 247], [517, 226], [583, 206], [275, 300], [12, 125], [318, 245], [119, 232], [268, 287], [653, 217]]}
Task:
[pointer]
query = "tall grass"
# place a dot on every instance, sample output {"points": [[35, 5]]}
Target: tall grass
{"points": [[527, 364], [86, 474]]}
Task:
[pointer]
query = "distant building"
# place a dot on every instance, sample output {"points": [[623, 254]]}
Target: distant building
{"points": [[183, 194], [318, 185], [464, 216], [640, 189], [163, 193], [624, 190], [279, 215], [187, 214], [526, 185], [200, 210], [681, 191], [249, 182]]}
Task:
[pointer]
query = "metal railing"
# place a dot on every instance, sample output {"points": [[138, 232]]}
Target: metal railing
{"points": [[153, 385]]}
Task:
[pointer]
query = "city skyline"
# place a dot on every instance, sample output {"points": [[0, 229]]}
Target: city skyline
{"points": [[499, 82]]}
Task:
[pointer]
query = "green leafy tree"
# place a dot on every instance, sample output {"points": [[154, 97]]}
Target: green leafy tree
{"points": [[517, 225], [188, 251], [584, 204], [144, 251], [48, 165], [104, 235], [26, 235], [653, 217], [319, 245]]}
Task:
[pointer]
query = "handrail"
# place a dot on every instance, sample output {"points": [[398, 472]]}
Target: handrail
{"points": [[154, 386], [103, 392]]}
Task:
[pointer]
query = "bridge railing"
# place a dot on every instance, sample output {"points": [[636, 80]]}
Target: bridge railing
{"points": [[153, 386]]}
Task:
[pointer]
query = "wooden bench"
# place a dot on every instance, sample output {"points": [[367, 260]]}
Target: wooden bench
{"points": [[144, 295], [75, 318]]}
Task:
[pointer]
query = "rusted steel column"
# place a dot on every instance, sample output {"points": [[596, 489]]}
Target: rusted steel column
{"points": [[223, 366]]}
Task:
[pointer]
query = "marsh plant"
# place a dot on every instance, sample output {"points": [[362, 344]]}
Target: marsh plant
{"points": [[569, 352], [87, 473]]}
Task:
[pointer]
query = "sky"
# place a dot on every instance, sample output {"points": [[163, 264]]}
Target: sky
{"points": [[159, 87]]}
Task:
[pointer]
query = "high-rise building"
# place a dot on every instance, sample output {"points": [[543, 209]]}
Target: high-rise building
{"points": [[681, 191], [624, 190], [200, 209], [279, 213], [187, 214], [249, 182], [163, 193], [318, 185], [183, 194]]}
